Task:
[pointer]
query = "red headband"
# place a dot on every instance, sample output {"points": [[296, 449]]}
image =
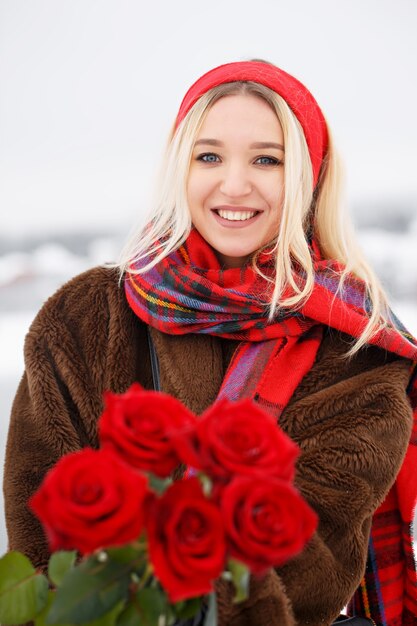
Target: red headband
{"points": [[298, 98]]}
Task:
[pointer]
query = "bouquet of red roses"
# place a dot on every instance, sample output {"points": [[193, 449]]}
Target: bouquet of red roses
{"points": [[132, 546]]}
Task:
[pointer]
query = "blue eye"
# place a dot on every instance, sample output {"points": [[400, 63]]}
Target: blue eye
{"points": [[266, 160], [208, 157]]}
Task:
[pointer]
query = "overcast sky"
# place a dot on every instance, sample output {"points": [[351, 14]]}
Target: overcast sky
{"points": [[89, 90]]}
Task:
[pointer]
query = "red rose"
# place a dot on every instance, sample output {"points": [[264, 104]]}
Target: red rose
{"points": [[239, 438], [186, 540], [140, 426], [267, 521], [90, 499]]}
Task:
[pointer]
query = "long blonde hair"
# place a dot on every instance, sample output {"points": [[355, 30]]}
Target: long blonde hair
{"points": [[305, 211]]}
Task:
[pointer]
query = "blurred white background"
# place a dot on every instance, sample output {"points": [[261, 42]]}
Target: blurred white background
{"points": [[90, 88]]}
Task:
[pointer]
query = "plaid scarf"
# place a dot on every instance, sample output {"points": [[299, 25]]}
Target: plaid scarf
{"points": [[180, 295]]}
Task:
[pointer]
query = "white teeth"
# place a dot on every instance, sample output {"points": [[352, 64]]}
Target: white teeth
{"points": [[236, 215]]}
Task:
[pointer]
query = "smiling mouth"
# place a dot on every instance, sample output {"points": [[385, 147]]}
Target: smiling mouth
{"points": [[235, 216]]}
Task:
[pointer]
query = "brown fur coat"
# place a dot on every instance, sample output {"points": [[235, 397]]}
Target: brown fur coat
{"points": [[351, 417]]}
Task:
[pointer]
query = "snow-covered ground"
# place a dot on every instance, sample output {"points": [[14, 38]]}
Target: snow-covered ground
{"points": [[30, 274]]}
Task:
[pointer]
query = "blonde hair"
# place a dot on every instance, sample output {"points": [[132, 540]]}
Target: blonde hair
{"points": [[304, 211]]}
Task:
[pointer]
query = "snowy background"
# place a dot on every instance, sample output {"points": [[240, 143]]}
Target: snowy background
{"points": [[89, 89]]}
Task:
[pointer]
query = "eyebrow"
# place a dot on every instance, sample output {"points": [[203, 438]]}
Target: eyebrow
{"points": [[258, 145]]}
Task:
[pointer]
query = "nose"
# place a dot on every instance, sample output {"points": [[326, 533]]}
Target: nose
{"points": [[235, 181]]}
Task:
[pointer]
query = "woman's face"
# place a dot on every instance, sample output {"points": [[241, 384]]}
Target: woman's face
{"points": [[235, 185]]}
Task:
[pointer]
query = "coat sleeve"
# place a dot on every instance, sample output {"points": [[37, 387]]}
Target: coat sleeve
{"points": [[268, 604], [353, 437], [45, 422], [80, 344]]}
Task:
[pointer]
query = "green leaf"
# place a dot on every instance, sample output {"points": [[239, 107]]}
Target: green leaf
{"points": [[23, 592], [152, 603], [188, 608], [145, 609], [110, 618], [89, 591], [206, 484], [130, 616], [211, 617], [159, 485], [59, 564], [241, 578], [130, 553], [41, 618]]}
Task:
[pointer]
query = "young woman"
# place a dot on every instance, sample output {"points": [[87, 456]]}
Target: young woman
{"points": [[246, 282]]}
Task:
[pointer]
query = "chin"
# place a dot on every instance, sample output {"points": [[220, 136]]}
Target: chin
{"points": [[232, 259]]}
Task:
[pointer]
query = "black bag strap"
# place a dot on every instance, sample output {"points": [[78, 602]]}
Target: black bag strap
{"points": [[344, 620], [154, 363]]}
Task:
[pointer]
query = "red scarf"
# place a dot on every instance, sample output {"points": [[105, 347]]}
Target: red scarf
{"points": [[179, 295]]}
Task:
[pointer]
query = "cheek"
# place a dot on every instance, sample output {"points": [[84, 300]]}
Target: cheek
{"points": [[193, 198], [276, 205], [275, 192], [194, 188], [274, 223], [276, 201], [200, 186]]}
